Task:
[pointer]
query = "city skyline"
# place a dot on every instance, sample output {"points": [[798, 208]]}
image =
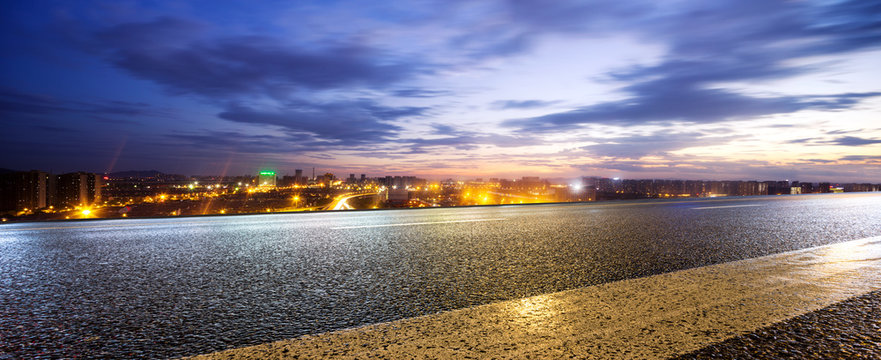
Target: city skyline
{"points": [[722, 91]]}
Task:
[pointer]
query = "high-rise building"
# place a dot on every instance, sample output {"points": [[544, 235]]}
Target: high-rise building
{"points": [[26, 190], [78, 189], [298, 176]]}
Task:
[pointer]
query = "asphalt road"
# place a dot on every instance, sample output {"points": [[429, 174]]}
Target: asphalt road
{"points": [[184, 286]]}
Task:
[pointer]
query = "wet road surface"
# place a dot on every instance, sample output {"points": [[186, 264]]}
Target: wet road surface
{"points": [[184, 286]]}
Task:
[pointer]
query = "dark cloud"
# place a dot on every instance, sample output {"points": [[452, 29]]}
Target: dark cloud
{"points": [[841, 141], [321, 156], [351, 123], [419, 93], [872, 158], [167, 51], [854, 141], [14, 103], [521, 104], [213, 142], [842, 132], [676, 99]]}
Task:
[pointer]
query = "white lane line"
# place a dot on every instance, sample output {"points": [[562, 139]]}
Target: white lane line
{"points": [[724, 206], [412, 224], [653, 317]]}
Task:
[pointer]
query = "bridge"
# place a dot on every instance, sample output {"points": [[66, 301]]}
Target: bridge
{"points": [[341, 201]]}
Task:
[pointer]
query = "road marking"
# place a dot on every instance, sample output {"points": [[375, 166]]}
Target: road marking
{"points": [[653, 317], [724, 206], [412, 224]]}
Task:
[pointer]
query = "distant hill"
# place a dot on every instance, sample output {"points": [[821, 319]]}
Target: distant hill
{"points": [[6, 171], [146, 174], [136, 174]]}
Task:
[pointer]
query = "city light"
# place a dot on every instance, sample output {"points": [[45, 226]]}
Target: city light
{"points": [[161, 197]]}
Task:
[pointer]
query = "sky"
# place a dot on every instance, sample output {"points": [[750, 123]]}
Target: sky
{"points": [[715, 90]]}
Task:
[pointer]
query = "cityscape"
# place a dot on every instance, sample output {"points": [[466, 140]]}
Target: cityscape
{"points": [[38, 195], [440, 179]]}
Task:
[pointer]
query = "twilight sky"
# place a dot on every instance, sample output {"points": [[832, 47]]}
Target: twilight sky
{"points": [[735, 89]]}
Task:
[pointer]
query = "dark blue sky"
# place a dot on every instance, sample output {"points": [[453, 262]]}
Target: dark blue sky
{"points": [[703, 90]]}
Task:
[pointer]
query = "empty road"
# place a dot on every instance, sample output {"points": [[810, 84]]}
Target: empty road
{"points": [[186, 286]]}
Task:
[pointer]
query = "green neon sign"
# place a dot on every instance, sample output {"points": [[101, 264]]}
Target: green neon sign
{"points": [[267, 173]]}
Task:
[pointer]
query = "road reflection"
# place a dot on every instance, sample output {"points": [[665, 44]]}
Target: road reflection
{"points": [[536, 313]]}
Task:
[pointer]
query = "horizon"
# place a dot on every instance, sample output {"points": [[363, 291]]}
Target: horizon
{"points": [[565, 180], [637, 90]]}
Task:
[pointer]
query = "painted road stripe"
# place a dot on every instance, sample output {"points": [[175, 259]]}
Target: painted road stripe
{"points": [[724, 206], [647, 318], [412, 224]]}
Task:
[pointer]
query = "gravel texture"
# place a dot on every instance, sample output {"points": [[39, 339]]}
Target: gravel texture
{"points": [[850, 329]]}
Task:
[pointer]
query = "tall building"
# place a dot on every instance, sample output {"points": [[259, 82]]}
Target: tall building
{"points": [[78, 189], [298, 177], [266, 178], [26, 190]]}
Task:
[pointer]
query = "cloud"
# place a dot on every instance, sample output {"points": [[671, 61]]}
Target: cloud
{"points": [[451, 136], [15, 103], [521, 104], [635, 147], [237, 142], [854, 141], [681, 98], [419, 93], [350, 122], [867, 158], [513, 27], [841, 141], [727, 41], [175, 53]]}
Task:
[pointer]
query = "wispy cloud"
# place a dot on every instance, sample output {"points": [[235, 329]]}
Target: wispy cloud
{"points": [[522, 104]]}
